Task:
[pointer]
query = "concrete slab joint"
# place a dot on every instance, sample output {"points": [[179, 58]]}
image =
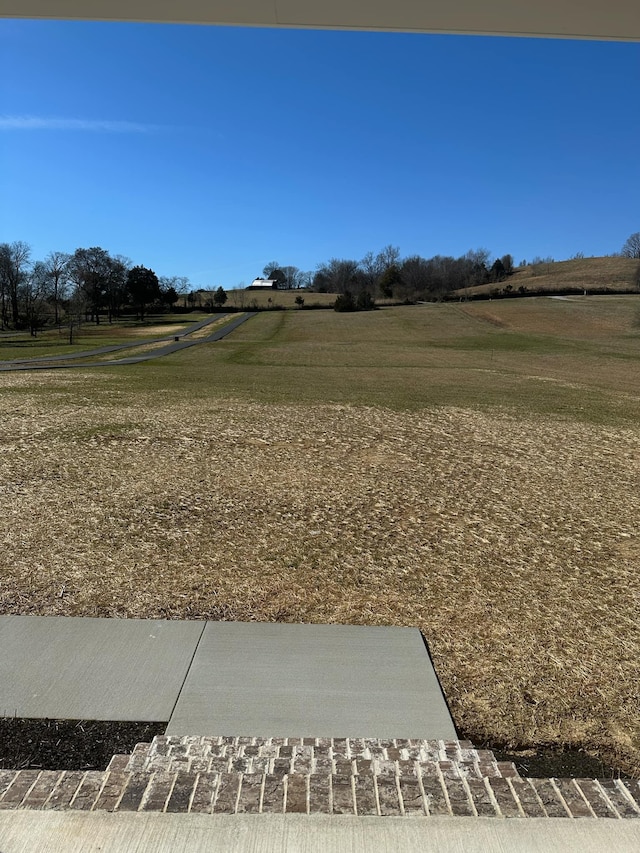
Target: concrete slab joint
{"points": [[201, 677], [369, 684]]}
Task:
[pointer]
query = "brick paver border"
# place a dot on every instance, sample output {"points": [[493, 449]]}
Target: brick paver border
{"points": [[230, 775]]}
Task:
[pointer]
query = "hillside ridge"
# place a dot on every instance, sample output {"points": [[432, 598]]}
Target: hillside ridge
{"points": [[611, 274]]}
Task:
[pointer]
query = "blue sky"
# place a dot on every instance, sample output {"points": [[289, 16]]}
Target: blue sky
{"points": [[207, 151]]}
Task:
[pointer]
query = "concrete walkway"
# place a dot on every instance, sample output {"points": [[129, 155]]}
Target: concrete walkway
{"points": [[223, 677], [69, 832], [298, 792]]}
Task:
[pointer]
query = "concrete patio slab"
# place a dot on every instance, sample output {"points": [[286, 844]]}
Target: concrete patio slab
{"points": [[284, 680], [93, 669]]}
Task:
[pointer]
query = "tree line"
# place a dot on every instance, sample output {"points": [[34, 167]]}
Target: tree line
{"points": [[89, 284], [387, 275]]}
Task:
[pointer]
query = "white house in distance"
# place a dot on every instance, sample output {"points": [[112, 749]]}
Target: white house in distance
{"points": [[263, 284]]}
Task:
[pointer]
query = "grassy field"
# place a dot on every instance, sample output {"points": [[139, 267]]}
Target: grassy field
{"points": [[470, 469]]}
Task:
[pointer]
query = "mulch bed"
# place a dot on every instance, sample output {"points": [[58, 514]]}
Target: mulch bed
{"points": [[69, 744], [90, 745], [548, 760]]}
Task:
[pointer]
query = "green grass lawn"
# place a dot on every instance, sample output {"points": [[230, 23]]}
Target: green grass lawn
{"points": [[551, 358]]}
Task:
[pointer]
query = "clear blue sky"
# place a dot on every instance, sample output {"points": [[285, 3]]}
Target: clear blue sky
{"points": [[206, 151]]}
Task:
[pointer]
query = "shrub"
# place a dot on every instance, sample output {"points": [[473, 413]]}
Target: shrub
{"points": [[345, 302]]}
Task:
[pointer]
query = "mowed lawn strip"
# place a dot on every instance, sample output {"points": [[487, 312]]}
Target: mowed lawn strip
{"points": [[317, 467]]}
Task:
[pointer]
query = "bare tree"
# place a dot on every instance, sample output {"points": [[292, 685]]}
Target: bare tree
{"points": [[389, 257], [91, 271], [371, 270], [15, 264], [76, 310], [336, 276], [34, 296], [631, 248], [293, 277], [306, 279], [180, 285], [57, 272]]}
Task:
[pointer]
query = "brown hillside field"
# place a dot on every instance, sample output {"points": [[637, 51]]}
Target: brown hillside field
{"points": [[612, 273], [475, 476], [246, 299]]}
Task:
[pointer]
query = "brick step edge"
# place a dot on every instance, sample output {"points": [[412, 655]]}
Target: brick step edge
{"points": [[242, 793], [338, 756]]}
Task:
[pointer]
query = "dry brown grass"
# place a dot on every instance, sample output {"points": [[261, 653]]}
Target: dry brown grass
{"points": [[160, 331], [612, 273], [511, 541], [594, 318], [282, 298]]}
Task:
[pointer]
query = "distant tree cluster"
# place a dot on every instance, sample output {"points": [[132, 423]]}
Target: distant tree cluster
{"points": [[386, 275], [86, 285], [287, 277]]}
